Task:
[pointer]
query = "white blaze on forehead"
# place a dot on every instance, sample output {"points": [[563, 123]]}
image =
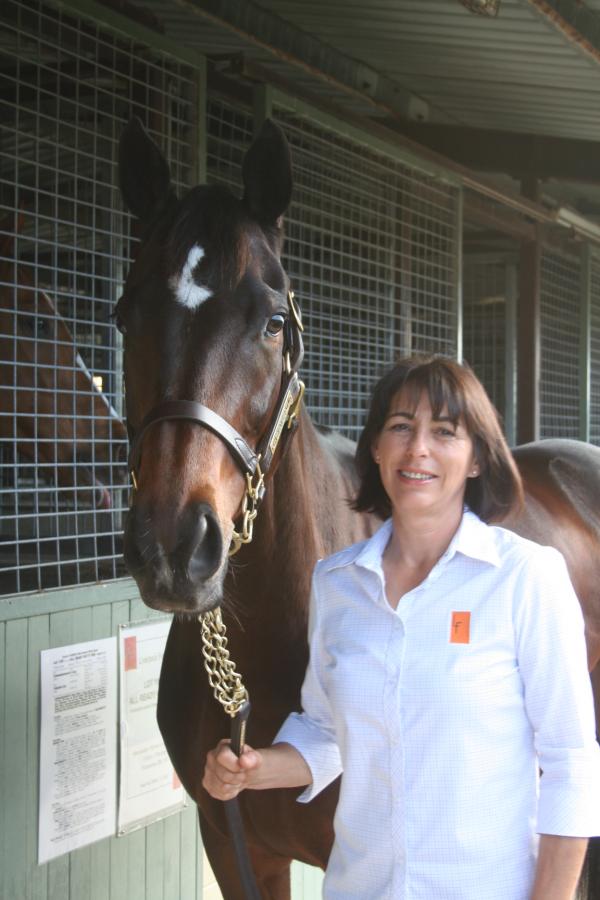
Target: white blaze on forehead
{"points": [[186, 291]]}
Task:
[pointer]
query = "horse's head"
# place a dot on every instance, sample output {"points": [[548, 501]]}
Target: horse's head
{"points": [[206, 321], [49, 402]]}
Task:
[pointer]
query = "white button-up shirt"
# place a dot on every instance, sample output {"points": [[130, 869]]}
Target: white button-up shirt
{"points": [[441, 714]]}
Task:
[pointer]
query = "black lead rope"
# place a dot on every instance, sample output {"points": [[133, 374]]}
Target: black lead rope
{"points": [[234, 816]]}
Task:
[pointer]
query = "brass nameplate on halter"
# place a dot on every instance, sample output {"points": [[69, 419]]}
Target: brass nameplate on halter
{"points": [[281, 420]]}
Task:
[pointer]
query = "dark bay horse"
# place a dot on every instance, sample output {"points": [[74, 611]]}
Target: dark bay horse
{"points": [[49, 404], [204, 314]]}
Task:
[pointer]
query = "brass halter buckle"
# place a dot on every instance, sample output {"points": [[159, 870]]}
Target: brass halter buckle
{"points": [[255, 491], [296, 407], [295, 310]]}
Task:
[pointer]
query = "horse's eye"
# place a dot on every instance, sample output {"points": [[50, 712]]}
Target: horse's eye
{"points": [[28, 323], [275, 324]]}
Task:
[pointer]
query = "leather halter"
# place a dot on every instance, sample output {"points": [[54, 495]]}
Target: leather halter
{"points": [[250, 462]]}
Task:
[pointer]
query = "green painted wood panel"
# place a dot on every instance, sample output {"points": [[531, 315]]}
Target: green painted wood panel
{"points": [[307, 882], [38, 640], [15, 754], [162, 861], [191, 874], [61, 634], [3, 731]]}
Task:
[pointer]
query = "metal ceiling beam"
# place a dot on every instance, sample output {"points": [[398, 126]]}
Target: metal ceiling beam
{"points": [[289, 44], [516, 154], [579, 24]]}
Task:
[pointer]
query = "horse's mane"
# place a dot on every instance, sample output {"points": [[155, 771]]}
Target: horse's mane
{"points": [[225, 241]]}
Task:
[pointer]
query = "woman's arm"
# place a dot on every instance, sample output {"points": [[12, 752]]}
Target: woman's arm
{"points": [[558, 867], [279, 766]]}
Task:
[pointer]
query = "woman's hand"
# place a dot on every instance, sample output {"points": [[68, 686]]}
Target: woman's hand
{"points": [[225, 774], [279, 766]]}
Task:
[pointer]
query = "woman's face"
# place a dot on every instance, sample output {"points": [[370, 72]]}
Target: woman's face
{"points": [[423, 462]]}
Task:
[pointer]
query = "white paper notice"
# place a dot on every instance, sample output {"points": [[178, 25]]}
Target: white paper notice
{"points": [[149, 788], [78, 746]]}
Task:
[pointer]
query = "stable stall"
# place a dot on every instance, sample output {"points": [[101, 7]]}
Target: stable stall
{"points": [[391, 248]]}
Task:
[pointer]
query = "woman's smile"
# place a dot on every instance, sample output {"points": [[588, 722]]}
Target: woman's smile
{"points": [[417, 475], [424, 459]]}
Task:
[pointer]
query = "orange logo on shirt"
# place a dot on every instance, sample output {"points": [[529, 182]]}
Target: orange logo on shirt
{"points": [[460, 628]]}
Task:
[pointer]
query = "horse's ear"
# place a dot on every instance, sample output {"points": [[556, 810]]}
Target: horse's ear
{"points": [[144, 175], [267, 174]]}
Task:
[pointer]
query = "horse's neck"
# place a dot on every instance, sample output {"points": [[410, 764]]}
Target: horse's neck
{"points": [[268, 588], [304, 517]]}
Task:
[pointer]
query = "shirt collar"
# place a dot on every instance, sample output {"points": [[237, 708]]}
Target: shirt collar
{"points": [[473, 538]]}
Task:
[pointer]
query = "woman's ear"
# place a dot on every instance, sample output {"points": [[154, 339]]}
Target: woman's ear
{"points": [[375, 452], [475, 470]]}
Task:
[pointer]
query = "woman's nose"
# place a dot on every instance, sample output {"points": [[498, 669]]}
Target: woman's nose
{"points": [[418, 445]]}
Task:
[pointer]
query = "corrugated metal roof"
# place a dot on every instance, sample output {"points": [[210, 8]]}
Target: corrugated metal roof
{"points": [[523, 71], [516, 72]]}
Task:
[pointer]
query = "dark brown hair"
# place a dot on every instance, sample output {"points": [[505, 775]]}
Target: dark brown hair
{"points": [[453, 390]]}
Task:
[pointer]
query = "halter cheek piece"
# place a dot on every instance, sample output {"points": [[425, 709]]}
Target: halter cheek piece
{"points": [[253, 464]]}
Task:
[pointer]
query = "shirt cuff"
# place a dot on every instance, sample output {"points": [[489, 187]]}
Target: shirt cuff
{"points": [[569, 799], [319, 750]]}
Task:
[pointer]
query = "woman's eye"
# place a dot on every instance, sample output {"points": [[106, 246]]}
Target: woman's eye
{"points": [[275, 325]]}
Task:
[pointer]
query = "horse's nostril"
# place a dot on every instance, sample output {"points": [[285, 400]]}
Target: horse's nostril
{"points": [[202, 527], [177, 557], [205, 549]]}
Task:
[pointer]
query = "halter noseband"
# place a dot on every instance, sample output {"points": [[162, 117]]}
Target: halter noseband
{"points": [[253, 464]]}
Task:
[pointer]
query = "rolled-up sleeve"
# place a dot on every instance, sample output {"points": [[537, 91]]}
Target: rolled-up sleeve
{"points": [[552, 660], [311, 732]]}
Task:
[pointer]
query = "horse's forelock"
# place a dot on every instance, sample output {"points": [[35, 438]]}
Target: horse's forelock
{"points": [[213, 219]]}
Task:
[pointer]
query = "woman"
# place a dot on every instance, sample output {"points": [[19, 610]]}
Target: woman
{"points": [[447, 668]]}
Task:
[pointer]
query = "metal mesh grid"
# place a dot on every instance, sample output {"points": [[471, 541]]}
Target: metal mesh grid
{"points": [[229, 134], [560, 324], [484, 323], [371, 249], [67, 90], [595, 351]]}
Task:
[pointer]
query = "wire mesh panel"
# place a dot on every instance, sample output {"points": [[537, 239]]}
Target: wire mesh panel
{"points": [[595, 351], [371, 249], [484, 324], [229, 134], [560, 334], [67, 90]]}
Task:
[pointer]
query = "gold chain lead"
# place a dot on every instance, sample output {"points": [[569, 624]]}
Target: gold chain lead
{"points": [[252, 497], [225, 682]]}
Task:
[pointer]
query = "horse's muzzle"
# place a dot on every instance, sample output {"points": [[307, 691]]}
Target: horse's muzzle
{"points": [[177, 563]]}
